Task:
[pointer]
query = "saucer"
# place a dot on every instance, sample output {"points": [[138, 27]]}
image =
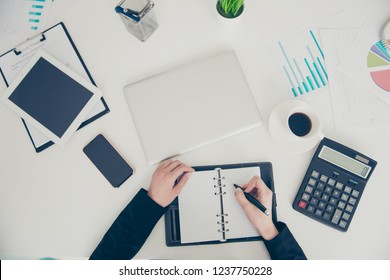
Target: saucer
{"points": [[285, 138]]}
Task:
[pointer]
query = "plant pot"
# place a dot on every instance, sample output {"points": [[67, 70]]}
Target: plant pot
{"points": [[229, 17]]}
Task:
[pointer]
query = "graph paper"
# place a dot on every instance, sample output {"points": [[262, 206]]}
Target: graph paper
{"points": [[23, 16]]}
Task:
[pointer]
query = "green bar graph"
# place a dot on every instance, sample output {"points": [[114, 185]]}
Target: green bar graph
{"points": [[36, 12], [302, 63]]}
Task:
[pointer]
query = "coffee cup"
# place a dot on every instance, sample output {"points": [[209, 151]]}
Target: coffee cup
{"points": [[295, 126], [302, 122]]}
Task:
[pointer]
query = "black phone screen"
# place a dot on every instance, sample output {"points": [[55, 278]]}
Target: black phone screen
{"points": [[109, 162]]}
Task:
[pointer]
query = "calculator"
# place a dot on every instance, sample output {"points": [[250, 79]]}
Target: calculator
{"points": [[333, 184]]}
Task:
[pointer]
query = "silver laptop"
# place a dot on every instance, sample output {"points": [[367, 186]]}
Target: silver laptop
{"points": [[191, 106]]}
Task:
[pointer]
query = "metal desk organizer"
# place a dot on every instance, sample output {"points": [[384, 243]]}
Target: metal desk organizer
{"points": [[138, 17]]}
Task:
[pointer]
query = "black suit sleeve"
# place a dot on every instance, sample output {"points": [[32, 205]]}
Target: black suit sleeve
{"points": [[130, 230], [133, 226], [284, 246]]}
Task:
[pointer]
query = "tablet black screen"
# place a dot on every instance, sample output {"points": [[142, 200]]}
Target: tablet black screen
{"points": [[51, 97]]}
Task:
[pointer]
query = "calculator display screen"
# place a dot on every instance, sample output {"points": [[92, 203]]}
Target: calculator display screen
{"points": [[343, 161]]}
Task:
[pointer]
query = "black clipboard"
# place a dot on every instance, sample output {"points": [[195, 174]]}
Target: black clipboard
{"points": [[171, 216], [41, 37]]}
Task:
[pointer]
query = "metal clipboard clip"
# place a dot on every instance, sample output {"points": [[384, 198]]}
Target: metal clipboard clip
{"points": [[30, 42]]}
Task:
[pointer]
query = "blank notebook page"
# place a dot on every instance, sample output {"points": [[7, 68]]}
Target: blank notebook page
{"points": [[238, 223], [199, 206]]}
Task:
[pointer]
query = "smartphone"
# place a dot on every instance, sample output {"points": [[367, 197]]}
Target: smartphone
{"points": [[109, 162]]}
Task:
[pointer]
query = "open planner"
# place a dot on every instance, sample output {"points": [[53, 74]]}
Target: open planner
{"points": [[207, 211], [57, 42]]}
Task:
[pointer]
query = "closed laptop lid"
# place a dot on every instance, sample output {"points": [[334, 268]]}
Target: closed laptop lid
{"points": [[191, 106]]}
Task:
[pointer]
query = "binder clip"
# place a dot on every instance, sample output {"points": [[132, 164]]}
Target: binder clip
{"points": [[138, 17]]}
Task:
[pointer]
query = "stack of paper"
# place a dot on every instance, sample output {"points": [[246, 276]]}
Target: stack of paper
{"points": [[355, 97], [23, 16]]}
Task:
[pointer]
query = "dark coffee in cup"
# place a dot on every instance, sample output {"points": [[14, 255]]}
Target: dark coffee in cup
{"points": [[300, 124]]}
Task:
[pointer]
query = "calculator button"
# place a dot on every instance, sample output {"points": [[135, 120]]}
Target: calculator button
{"points": [[336, 193], [309, 189], [305, 196], [325, 197], [329, 208], [339, 186], [324, 178], [321, 205], [332, 201], [302, 204], [348, 189], [335, 175], [315, 174], [345, 216], [331, 182], [336, 216], [344, 197], [314, 201], [318, 212], [355, 193], [342, 224], [326, 216], [317, 194], [352, 201], [352, 183], [349, 208], [341, 205], [310, 208], [328, 190], [320, 186], [312, 182]]}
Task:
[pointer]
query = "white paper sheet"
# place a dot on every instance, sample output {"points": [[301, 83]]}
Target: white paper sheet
{"points": [[23, 16], [367, 63], [199, 206], [293, 61], [238, 223], [354, 107]]}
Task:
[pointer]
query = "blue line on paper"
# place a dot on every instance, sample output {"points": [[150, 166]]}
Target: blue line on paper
{"points": [[317, 44]]}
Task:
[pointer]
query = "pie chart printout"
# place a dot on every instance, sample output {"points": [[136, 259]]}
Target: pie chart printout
{"points": [[378, 63]]}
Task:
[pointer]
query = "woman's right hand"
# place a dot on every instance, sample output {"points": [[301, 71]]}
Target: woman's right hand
{"points": [[263, 223]]}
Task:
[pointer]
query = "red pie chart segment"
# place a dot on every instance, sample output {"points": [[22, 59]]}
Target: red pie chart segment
{"points": [[382, 79]]}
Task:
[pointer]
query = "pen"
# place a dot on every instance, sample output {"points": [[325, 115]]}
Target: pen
{"points": [[254, 201]]}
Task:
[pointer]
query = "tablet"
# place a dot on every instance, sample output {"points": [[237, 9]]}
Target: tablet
{"points": [[51, 97]]}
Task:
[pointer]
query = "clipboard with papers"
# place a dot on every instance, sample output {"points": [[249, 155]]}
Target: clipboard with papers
{"points": [[57, 42]]}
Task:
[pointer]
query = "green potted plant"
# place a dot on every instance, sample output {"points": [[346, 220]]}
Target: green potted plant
{"points": [[230, 9]]}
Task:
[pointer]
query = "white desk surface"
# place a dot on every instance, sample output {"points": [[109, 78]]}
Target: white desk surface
{"points": [[56, 204]]}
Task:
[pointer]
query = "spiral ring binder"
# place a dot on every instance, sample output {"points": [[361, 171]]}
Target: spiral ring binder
{"points": [[222, 216], [220, 193]]}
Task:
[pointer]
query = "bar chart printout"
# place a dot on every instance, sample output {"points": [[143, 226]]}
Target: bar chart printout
{"points": [[23, 16], [298, 63]]}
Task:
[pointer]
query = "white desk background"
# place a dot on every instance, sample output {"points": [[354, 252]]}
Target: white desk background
{"points": [[56, 204]]}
